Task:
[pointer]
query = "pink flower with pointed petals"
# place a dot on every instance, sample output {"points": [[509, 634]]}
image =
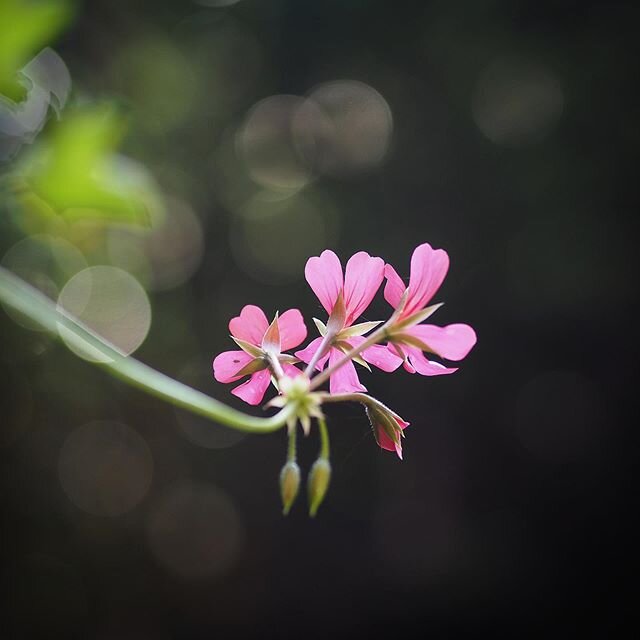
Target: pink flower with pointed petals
{"points": [[362, 279], [248, 331], [428, 269]]}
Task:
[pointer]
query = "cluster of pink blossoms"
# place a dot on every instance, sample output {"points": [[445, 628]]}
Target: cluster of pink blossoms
{"points": [[403, 339]]}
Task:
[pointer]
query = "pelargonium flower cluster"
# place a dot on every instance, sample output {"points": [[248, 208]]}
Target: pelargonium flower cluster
{"points": [[264, 356]]}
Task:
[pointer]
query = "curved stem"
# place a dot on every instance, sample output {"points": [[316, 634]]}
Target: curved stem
{"points": [[23, 298], [362, 398]]}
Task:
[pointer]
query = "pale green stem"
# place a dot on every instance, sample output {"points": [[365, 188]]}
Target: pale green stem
{"points": [[377, 336], [324, 345], [28, 301], [324, 439], [362, 398], [275, 365], [291, 449]]}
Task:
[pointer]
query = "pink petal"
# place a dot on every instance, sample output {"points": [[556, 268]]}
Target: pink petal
{"points": [[306, 354], [291, 370], [394, 350], [452, 342], [250, 325], [407, 366], [394, 288], [293, 330], [324, 275], [387, 443], [252, 391], [378, 355], [363, 277], [227, 364], [426, 367], [345, 379], [428, 269]]}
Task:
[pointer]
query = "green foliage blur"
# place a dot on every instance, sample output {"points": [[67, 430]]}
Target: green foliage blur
{"points": [[74, 172], [66, 168], [26, 27]]}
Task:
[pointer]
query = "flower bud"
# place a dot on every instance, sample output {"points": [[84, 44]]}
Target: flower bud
{"points": [[387, 427], [318, 483], [289, 485]]}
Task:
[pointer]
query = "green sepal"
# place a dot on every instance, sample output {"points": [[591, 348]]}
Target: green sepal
{"points": [[322, 327], [362, 363], [247, 347], [258, 364], [418, 317], [405, 338], [359, 329]]}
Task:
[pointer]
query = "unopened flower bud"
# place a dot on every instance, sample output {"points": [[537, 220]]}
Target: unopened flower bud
{"points": [[387, 427], [289, 485], [318, 484]]}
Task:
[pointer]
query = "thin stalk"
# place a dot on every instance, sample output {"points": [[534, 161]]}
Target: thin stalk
{"points": [[28, 301], [326, 342], [275, 365], [291, 448], [324, 439], [362, 398], [377, 336]]}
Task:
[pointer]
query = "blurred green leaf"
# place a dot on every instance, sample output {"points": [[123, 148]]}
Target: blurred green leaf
{"points": [[25, 27], [77, 173]]}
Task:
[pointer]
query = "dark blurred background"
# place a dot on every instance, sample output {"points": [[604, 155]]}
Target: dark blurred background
{"points": [[266, 132]]}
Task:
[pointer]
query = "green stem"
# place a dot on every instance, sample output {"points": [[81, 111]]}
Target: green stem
{"points": [[322, 349], [23, 298], [377, 336], [362, 398], [291, 449], [274, 364], [324, 439]]}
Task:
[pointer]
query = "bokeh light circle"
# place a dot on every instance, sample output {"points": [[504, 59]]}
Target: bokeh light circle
{"points": [[198, 430], [355, 133], [105, 468], [273, 238], [165, 256], [516, 103], [45, 262], [266, 143], [159, 80], [112, 303], [195, 532]]}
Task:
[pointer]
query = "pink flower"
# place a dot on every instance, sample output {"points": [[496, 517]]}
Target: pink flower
{"points": [[249, 331], [428, 269], [352, 294]]}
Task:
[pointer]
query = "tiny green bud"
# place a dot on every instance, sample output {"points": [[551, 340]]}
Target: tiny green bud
{"points": [[289, 485], [318, 484]]}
